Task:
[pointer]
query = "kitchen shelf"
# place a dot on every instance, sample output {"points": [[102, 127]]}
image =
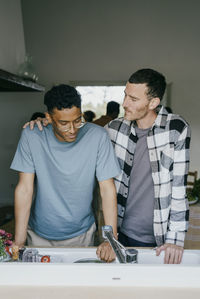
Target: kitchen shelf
{"points": [[11, 83]]}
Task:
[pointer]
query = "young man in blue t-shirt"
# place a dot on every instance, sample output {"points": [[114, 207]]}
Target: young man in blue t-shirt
{"points": [[63, 160]]}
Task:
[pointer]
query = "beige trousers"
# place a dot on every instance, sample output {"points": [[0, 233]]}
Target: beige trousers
{"points": [[84, 240]]}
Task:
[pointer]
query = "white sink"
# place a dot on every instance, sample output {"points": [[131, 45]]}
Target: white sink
{"points": [[64, 278], [69, 255], [148, 256], [88, 255]]}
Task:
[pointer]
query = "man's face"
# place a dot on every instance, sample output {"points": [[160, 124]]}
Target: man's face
{"points": [[136, 103], [66, 123]]}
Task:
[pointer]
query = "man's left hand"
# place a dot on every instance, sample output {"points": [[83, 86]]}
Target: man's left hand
{"points": [[173, 253], [105, 252]]}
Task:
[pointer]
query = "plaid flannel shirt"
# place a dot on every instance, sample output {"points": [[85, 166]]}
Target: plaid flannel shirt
{"points": [[168, 143]]}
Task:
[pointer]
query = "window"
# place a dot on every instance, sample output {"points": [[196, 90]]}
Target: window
{"points": [[96, 95], [95, 98]]}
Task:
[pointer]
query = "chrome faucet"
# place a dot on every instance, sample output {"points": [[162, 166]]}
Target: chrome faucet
{"points": [[123, 255]]}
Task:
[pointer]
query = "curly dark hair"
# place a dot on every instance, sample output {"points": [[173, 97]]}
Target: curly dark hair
{"points": [[154, 80], [62, 96]]}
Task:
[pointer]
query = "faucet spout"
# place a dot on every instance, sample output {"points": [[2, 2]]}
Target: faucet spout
{"points": [[123, 255], [118, 248]]}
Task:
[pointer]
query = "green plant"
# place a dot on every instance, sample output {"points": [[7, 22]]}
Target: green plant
{"points": [[196, 188], [2, 248], [193, 193], [5, 242]]}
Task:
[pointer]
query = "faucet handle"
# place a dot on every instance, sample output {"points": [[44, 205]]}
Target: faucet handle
{"points": [[105, 229], [131, 256]]}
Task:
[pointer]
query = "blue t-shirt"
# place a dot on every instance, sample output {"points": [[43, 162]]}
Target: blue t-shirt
{"points": [[65, 177]]}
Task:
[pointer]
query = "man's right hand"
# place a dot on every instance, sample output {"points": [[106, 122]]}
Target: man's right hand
{"points": [[40, 122], [105, 252]]}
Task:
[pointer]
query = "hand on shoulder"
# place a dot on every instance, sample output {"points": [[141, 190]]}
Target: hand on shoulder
{"points": [[40, 122]]}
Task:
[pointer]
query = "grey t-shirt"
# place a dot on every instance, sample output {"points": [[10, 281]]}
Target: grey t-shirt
{"points": [[138, 219]]}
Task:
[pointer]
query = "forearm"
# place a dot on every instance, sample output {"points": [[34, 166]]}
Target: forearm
{"points": [[23, 199], [179, 213], [179, 216], [109, 205]]}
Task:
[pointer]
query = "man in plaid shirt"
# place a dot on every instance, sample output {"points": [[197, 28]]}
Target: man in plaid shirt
{"points": [[152, 147]]}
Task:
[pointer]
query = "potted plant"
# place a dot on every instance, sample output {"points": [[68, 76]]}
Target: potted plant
{"points": [[5, 243], [193, 194]]}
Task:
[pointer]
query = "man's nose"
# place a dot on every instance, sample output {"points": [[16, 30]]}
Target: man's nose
{"points": [[72, 128], [125, 102]]}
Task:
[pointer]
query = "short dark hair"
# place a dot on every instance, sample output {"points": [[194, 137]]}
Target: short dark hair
{"points": [[37, 114], [169, 110], [112, 106], [62, 96], [89, 115], [154, 80]]}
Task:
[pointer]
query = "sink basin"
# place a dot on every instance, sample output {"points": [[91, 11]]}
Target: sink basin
{"points": [[88, 255], [78, 273], [69, 255], [148, 256], [89, 260]]}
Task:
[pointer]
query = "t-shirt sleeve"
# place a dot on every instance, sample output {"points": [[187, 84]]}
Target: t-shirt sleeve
{"points": [[107, 164], [23, 160]]}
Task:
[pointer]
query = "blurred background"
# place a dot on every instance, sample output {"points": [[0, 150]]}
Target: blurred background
{"points": [[96, 43]]}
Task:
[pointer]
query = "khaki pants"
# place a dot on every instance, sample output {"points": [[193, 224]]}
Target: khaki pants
{"points": [[84, 240]]}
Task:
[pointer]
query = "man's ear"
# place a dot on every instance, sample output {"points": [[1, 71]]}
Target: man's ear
{"points": [[48, 117], [154, 103]]}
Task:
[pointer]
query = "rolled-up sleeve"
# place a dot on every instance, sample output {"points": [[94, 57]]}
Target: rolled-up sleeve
{"points": [[179, 213]]}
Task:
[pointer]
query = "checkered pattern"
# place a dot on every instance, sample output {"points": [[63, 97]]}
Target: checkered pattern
{"points": [[168, 142]]}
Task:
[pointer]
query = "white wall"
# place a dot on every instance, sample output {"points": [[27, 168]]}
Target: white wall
{"points": [[108, 40], [15, 107], [12, 49]]}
